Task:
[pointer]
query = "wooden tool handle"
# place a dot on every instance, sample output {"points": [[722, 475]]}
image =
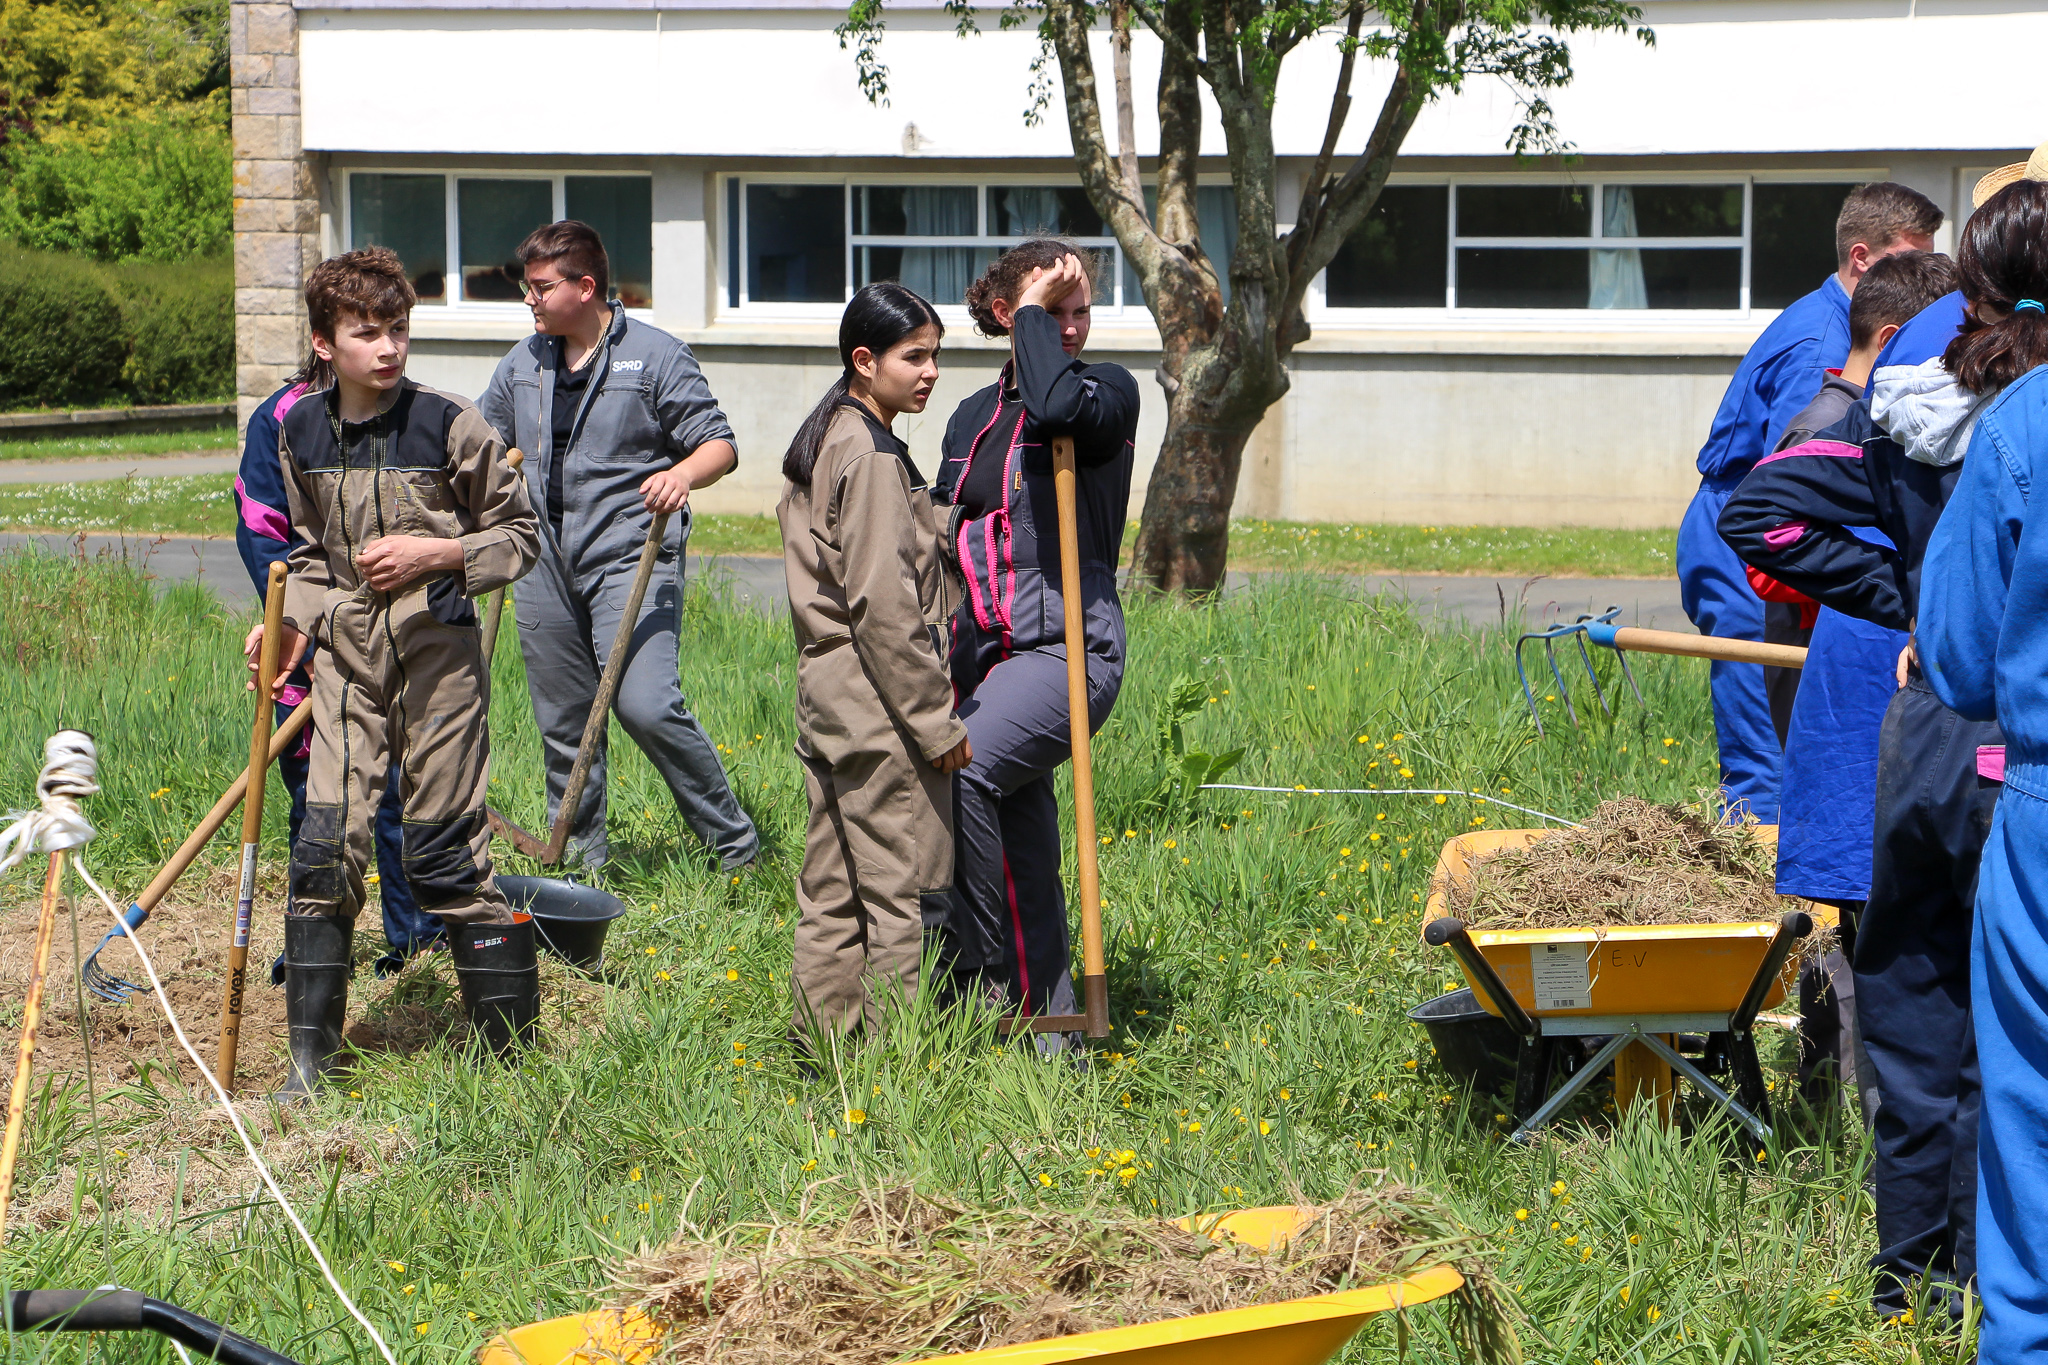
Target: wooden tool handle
{"points": [[252, 830], [494, 608], [1707, 647], [31, 1016], [607, 688], [1094, 980], [203, 832]]}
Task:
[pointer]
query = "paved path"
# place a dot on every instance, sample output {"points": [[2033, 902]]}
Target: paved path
{"points": [[758, 582], [118, 467]]}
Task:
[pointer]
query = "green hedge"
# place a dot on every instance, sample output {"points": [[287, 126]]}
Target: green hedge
{"points": [[75, 333]]}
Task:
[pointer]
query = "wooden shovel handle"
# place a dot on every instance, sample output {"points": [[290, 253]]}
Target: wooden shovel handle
{"points": [[1094, 979], [607, 688]]}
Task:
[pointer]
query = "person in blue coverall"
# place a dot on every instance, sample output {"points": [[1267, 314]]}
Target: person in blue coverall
{"points": [[1778, 377], [1983, 644], [263, 535], [1828, 787], [1890, 464]]}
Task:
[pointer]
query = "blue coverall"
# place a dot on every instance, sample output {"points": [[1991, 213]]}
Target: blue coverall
{"points": [[1797, 518], [1780, 375], [263, 534], [1983, 640]]}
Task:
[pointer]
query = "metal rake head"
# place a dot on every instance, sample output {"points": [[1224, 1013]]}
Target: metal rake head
{"points": [[102, 983], [1578, 632]]}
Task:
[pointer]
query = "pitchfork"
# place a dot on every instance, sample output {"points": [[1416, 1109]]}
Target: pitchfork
{"points": [[1602, 630]]}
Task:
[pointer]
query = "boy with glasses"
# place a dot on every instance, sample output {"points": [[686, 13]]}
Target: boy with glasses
{"points": [[619, 425]]}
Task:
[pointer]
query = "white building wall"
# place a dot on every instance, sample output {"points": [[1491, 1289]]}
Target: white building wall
{"points": [[1434, 416]]}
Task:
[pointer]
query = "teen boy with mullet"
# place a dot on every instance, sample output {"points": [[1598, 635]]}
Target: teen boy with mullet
{"points": [[407, 509], [618, 425]]}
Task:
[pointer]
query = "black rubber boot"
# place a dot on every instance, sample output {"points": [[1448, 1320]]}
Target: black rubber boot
{"points": [[316, 972], [500, 981]]}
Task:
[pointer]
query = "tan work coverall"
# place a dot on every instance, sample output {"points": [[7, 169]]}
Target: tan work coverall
{"points": [[869, 599], [400, 671]]}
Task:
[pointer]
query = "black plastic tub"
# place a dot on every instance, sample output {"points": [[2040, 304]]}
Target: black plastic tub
{"points": [[1475, 1047], [571, 920]]}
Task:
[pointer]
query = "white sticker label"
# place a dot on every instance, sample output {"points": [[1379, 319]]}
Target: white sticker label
{"points": [[1557, 973]]}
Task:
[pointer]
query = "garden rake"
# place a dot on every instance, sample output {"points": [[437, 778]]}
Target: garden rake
{"points": [[114, 989], [1602, 630]]}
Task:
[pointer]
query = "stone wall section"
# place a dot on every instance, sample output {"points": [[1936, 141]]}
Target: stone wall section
{"points": [[277, 211]]}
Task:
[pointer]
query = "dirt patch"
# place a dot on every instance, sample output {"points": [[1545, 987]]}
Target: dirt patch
{"points": [[903, 1275], [187, 937]]}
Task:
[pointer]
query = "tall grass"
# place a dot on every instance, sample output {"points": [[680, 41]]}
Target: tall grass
{"points": [[1263, 952]]}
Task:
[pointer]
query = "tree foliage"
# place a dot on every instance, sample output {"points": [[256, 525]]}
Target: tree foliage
{"points": [[1224, 360]]}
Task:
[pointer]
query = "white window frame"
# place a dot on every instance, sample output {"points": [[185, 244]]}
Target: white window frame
{"points": [[1322, 311], [452, 223], [736, 238]]}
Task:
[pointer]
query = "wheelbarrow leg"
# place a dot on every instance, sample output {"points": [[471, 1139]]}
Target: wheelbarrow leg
{"points": [[1747, 1072], [1532, 1076]]}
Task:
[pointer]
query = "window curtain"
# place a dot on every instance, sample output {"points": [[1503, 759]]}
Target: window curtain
{"points": [[1616, 275], [1028, 212], [940, 273]]}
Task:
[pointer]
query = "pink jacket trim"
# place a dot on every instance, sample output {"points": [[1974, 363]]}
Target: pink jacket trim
{"points": [[1991, 762], [1839, 450], [1778, 537], [263, 520]]}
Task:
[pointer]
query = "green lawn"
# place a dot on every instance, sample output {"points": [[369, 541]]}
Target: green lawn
{"points": [[1561, 552], [1263, 952], [103, 447], [200, 505]]}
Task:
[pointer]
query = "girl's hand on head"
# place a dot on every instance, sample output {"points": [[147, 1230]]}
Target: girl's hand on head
{"points": [[1048, 285]]}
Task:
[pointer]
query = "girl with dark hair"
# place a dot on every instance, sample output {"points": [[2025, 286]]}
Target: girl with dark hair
{"points": [[869, 599], [1983, 641], [1009, 642]]}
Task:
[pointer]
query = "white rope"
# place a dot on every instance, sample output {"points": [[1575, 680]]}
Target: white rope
{"points": [[1390, 791], [70, 771]]}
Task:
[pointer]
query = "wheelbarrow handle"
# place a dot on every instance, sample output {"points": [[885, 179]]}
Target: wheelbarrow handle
{"points": [[124, 1310], [1451, 933], [1793, 926], [1694, 646]]}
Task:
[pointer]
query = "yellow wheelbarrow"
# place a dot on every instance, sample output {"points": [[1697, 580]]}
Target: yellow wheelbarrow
{"points": [[1636, 987], [1297, 1332]]}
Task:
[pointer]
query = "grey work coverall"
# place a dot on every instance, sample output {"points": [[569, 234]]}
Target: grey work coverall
{"points": [[645, 408], [402, 672], [869, 596]]}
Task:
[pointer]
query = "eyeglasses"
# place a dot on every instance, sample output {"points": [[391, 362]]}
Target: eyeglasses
{"points": [[539, 289]]}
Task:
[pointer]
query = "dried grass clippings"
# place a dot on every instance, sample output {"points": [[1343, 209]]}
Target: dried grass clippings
{"points": [[1633, 863], [904, 1276]]}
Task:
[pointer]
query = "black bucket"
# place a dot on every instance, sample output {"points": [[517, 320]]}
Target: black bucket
{"points": [[571, 920], [1475, 1047]]}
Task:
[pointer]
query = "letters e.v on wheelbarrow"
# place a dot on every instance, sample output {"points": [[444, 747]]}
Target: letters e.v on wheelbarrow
{"points": [[550, 852]]}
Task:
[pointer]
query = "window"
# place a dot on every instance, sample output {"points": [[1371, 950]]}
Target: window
{"points": [[419, 214], [409, 214], [804, 247], [1600, 246]]}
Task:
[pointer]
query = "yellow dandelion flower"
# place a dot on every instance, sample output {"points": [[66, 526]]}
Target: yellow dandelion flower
{"points": [[856, 1116], [731, 975]]}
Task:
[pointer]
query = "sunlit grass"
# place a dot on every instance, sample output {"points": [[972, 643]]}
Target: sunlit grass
{"points": [[105, 447], [1263, 952]]}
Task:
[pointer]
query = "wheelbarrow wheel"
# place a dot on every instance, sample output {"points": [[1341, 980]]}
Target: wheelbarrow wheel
{"points": [[1533, 1064]]}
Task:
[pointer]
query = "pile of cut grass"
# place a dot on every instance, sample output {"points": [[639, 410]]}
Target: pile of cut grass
{"points": [[1631, 863], [905, 1276]]}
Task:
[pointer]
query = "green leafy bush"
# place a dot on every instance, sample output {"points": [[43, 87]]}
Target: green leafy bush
{"points": [[154, 190], [181, 330], [63, 341], [75, 333]]}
